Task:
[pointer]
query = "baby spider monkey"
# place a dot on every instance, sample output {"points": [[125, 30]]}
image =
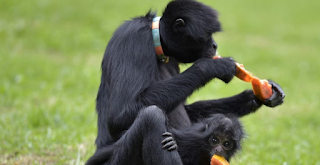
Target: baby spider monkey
{"points": [[217, 135]]}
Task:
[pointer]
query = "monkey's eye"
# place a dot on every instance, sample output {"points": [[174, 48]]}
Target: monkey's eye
{"points": [[215, 141], [228, 145]]}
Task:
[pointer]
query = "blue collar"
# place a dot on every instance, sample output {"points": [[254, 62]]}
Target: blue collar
{"points": [[156, 40]]}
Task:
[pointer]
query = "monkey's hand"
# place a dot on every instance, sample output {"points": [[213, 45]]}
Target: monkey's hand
{"points": [[222, 68], [169, 143], [226, 69], [277, 95]]}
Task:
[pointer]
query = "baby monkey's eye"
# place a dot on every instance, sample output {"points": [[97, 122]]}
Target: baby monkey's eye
{"points": [[215, 141], [228, 145]]}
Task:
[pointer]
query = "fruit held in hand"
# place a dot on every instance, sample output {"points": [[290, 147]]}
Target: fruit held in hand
{"points": [[218, 160], [261, 88]]}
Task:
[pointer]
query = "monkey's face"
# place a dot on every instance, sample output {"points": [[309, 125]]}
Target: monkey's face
{"points": [[222, 146], [225, 135], [186, 30]]}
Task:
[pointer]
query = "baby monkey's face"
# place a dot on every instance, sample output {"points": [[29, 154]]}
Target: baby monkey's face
{"points": [[222, 146], [226, 136]]}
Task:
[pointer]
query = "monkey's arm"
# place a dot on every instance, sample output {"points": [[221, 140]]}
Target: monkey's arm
{"points": [[169, 93], [240, 105]]}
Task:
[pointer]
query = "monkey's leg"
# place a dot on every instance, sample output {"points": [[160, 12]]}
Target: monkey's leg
{"points": [[141, 144]]}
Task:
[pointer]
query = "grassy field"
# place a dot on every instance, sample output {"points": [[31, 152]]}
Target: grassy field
{"points": [[50, 55]]}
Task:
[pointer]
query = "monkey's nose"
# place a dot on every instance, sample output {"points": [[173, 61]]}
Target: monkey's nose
{"points": [[218, 149], [215, 45]]}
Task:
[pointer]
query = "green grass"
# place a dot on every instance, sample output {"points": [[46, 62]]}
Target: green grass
{"points": [[50, 55]]}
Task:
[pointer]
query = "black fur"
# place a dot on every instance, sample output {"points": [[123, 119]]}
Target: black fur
{"points": [[195, 143], [133, 79]]}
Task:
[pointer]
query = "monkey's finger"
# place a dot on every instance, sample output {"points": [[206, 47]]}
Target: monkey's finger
{"points": [[166, 140], [174, 147], [167, 134], [277, 88], [169, 144]]}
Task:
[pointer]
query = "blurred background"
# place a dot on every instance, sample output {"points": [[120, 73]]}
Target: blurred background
{"points": [[50, 56]]}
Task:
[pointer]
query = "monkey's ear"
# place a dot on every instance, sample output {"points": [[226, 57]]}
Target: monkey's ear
{"points": [[178, 23], [204, 128]]}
